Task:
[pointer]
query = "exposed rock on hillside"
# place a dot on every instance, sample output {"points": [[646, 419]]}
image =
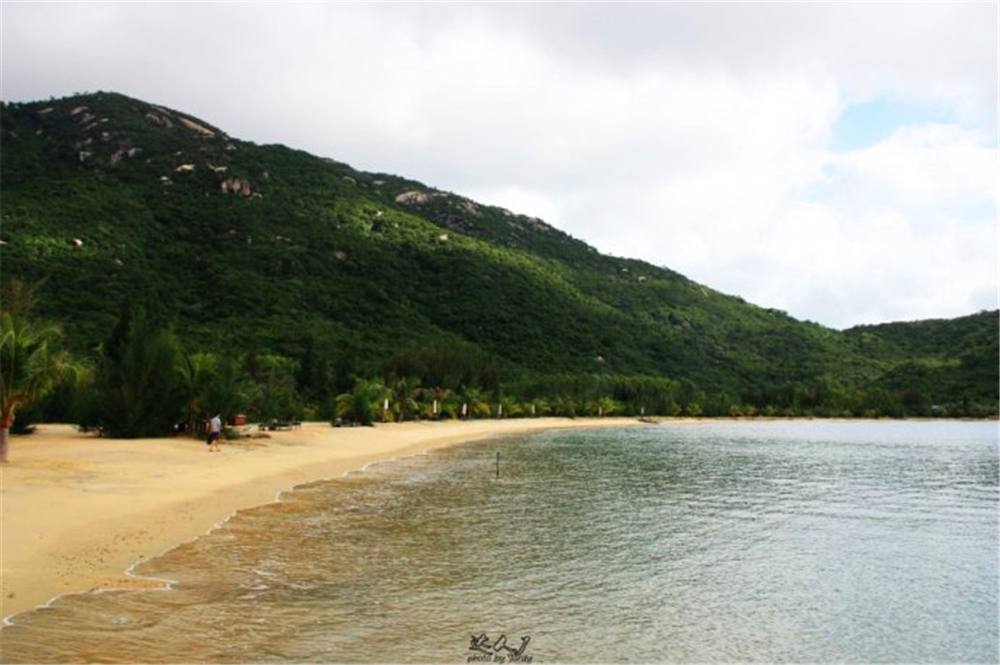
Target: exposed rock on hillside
{"points": [[414, 197], [236, 186], [161, 121], [190, 124]]}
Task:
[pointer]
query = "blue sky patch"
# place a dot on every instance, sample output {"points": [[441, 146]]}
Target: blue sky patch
{"points": [[863, 125]]}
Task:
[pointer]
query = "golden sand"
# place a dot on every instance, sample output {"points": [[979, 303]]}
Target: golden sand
{"points": [[76, 511]]}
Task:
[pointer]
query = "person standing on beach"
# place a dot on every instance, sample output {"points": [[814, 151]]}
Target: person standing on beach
{"points": [[214, 432]]}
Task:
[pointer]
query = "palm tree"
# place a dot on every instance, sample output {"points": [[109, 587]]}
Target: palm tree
{"points": [[212, 384], [538, 407], [139, 381], [437, 397], [30, 366], [230, 388], [605, 406], [359, 405], [509, 408], [403, 400], [196, 371], [475, 399], [564, 407]]}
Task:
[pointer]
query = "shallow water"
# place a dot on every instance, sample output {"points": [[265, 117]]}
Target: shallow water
{"points": [[719, 542]]}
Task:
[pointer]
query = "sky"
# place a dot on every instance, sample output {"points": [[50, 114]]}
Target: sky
{"points": [[835, 160]]}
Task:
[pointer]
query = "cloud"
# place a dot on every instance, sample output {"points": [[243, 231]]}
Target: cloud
{"points": [[921, 165], [904, 229], [878, 265]]}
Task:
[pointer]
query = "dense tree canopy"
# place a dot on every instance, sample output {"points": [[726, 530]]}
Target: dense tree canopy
{"points": [[289, 278]]}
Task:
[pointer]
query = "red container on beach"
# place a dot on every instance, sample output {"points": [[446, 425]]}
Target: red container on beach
{"points": [[238, 420]]}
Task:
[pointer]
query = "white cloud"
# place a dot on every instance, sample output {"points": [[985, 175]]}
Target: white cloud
{"points": [[925, 165], [818, 262]]}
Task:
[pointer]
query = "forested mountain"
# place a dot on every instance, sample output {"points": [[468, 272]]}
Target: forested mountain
{"points": [[110, 204]]}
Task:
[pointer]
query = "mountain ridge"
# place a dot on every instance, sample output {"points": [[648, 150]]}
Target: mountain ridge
{"points": [[232, 241]]}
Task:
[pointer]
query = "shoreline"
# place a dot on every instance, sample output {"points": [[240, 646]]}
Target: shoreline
{"points": [[80, 513]]}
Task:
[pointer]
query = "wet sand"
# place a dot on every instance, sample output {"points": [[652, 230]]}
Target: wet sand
{"points": [[78, 511]]}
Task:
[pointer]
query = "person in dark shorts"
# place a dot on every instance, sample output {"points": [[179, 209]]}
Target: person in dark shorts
{"points": [[214, 432]]}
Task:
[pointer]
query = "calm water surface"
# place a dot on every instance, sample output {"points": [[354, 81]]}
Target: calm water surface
{"points": [[820, 542]]}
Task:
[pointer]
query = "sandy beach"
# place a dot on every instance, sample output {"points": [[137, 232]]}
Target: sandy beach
{"points": [[78, 511]]}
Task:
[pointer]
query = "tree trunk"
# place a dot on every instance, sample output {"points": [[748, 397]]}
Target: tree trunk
{"points": [[4, 431]]}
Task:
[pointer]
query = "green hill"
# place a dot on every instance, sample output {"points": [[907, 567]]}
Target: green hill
{"points": [[108, 200]]}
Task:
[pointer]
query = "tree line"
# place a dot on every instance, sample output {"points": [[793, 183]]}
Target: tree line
{"points": [[142, 382]]}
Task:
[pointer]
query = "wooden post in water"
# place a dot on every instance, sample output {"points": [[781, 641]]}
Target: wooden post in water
{"points": [[498, 464]]}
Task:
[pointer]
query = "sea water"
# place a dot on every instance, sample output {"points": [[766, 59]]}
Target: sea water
{"points": [[820, 542]]}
